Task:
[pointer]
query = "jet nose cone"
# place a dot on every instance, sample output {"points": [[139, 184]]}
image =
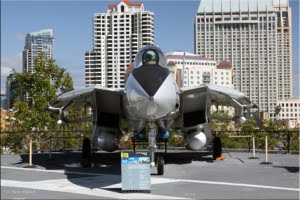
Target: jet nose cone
{"points": [[151, 77], [140, 105]]}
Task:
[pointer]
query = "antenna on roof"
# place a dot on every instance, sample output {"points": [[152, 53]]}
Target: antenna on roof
{"points": [[182, 73]]}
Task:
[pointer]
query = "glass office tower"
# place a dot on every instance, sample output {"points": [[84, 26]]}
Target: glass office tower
{"points": [[35, 43]]}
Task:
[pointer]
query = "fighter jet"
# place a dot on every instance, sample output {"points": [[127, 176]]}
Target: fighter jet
{"points": [[152, 101]]}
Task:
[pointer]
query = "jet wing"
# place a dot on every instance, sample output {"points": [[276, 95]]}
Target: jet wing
{"points": [[79, 96], [106, 103], [227, 96], [196, 101]]}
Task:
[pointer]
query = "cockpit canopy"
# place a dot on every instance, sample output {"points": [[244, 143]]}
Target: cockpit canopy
{"points": [[150, 55]]}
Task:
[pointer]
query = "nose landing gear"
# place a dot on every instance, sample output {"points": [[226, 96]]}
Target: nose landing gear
{"points": [[152, 148], [160, 165]]}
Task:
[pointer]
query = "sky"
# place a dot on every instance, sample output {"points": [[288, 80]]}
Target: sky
{"points": [[71, 22]]}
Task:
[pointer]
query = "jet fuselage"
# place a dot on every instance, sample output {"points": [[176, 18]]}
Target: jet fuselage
{"points": [[151, 91]]}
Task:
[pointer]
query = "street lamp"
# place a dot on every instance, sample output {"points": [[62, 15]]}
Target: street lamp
{"points": [[183, 69]]}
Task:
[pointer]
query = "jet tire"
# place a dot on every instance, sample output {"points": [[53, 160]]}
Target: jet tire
{"points": [[217, 147], [160, 165], [86, 160]]}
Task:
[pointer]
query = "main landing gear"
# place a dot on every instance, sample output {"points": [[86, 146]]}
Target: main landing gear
{"points": [[152, 148], [86, 160], [217, 148]]}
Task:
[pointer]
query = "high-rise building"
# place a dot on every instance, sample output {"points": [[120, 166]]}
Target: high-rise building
{"points": [[35, 43], [255, 37], [117, 37], [11, 85], [200, 70], [290, 110]]}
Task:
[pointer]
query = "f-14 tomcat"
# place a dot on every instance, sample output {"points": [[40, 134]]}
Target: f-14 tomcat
{"points": [[152, 101]]}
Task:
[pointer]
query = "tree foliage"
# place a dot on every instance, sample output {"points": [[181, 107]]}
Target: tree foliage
{"points": [[221, 121], [35, 91]]}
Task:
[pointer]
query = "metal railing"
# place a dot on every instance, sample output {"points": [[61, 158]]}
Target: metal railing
{"points": [[56, 140], [279, 140], [62, 140]]}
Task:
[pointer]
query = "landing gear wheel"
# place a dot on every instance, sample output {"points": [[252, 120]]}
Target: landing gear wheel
{"points": [[217, 148], [160, 165], [86, 160]]}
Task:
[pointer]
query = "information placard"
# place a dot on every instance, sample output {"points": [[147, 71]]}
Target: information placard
{"points": [[135, 169]]}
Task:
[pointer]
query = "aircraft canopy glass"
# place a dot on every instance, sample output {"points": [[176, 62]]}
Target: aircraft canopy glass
{"points": [[150, 55]]}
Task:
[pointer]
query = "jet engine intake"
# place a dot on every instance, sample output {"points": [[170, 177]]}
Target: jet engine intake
{"points": [[196, 140], [108, 140]]}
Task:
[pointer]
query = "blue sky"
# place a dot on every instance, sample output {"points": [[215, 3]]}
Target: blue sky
{"points": [[71, 22]]}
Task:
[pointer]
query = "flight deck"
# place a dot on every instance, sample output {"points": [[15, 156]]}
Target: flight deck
{"points": [[236, 177]]}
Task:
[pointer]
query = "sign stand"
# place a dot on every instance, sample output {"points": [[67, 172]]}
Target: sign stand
{"points": [[135, 170]]}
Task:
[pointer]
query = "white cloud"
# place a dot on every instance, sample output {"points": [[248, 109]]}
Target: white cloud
{"points": [[20, 36], [8, 63], [14, 62], [6, 70]]}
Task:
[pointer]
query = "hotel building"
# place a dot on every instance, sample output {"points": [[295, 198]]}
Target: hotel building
{"points": [[255, 37], [199, 70], [290, 110], [117, 37]]}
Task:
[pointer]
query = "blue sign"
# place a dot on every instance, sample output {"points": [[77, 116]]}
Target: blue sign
{"points": [[135, 168]]}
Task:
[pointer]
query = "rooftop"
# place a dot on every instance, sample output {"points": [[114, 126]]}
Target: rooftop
{"points": [[42, 32], [127, 2], [224, 65], [171, 64], [188, 56], [239, 5]]}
